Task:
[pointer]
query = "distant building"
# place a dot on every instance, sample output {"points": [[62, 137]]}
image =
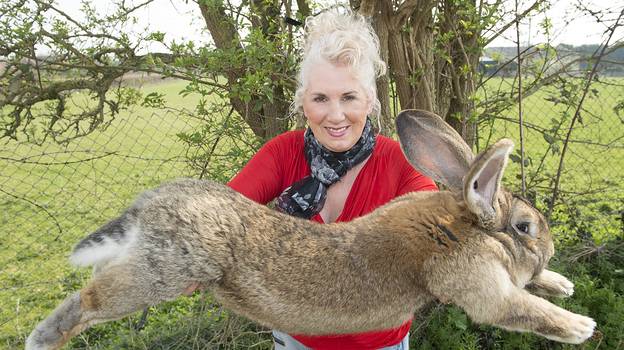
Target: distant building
{"points": [[501, 68], [487, 65]]}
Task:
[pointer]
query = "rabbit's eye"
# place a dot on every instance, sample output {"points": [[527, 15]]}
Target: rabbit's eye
{"points": [[523, 227]]}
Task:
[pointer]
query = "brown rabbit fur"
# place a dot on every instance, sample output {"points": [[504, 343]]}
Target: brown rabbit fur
{"points": [[476, 246]]}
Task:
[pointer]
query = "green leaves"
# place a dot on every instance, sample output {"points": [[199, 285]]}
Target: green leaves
{"points": [[516, 158], [156, 36], [618, 108], [153, 100], [458, 318], [549, 138]]}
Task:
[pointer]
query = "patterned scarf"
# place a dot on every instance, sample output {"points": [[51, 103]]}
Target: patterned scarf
{"points": [[306, 197]]}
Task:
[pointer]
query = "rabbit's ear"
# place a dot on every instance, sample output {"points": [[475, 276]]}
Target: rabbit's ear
{"points": [[433, 147], [482, 182]]}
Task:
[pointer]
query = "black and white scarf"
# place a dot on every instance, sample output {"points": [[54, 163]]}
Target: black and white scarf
{"points": [[306, 197]]}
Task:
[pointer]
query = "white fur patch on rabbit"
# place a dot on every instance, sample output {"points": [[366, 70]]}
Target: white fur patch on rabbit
{"points": [[106, 250]]}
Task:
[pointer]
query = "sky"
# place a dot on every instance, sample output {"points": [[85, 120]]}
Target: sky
{"points": [[569, 25], [181, 20]]}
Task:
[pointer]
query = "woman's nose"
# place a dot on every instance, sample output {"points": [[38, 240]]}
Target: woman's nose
{"points": [[335, 112]]}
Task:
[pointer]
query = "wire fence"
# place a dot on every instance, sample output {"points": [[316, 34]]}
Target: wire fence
{"points": [[588, 176], [52, 195]]}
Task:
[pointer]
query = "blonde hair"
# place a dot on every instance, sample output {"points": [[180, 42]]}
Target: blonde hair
{"points": [[340, 36]]}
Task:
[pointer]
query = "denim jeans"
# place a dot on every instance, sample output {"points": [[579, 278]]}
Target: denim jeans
{"points": [[283, 341]]}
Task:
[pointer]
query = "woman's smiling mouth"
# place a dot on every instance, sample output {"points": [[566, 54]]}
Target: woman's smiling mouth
{"points": [[337, 132]]}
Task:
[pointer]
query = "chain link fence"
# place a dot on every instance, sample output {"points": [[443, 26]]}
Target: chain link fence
{"points": [[52, 195]]}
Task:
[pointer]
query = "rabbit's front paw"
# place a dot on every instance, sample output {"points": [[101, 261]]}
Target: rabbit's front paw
{"points": [[549, 283], [582, 328], [565, 287], [578, 328]]}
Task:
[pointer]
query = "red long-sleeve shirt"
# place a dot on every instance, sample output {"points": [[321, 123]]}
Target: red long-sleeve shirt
{"points": [[386, 175]]}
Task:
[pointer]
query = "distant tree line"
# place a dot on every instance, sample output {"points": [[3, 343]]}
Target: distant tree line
{"points": [[502, 61]]}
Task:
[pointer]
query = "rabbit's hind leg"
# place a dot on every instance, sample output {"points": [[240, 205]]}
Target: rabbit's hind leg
{"points": [[112, 294], [57, 329]]}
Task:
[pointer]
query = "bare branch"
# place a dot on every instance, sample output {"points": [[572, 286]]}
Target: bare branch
{"points": [[40, 207], [518, 17]]}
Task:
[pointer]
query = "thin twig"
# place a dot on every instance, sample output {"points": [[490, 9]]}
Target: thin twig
{"points": [[23, 161], [520, 116], [214, 146], [141, 324], [40, 207], [509, 24]]}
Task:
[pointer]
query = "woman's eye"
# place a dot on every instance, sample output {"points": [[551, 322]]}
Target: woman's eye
{"points": [[523, 227], [319, 99], [348, 98]]}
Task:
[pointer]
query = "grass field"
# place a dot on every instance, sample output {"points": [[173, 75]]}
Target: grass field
{"points": [[50, 197]]}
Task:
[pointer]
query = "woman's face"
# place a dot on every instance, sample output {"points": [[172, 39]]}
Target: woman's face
{"points": [[335, 105]]}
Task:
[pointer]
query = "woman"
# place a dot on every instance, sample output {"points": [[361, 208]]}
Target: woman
{"points": [[338, 169]]}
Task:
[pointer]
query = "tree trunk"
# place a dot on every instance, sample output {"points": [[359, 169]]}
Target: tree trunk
{"points": [[379, 12], [274, 114], [269, 118], [225, 37], [407, 45], [463, 51]]}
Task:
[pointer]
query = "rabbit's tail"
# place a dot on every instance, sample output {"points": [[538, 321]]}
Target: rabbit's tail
{"points": [[111, 241]]}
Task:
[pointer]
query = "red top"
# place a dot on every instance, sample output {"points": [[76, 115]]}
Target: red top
{"points": [[386, 175]]}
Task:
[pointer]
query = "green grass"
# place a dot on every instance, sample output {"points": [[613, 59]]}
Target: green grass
{"points": [[50, 202]]}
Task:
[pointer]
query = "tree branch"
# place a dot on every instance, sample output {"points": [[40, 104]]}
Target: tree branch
{"points": [[518, 17]]}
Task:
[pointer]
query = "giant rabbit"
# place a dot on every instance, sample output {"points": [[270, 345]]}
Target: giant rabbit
{"points": [[475, 245]]}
